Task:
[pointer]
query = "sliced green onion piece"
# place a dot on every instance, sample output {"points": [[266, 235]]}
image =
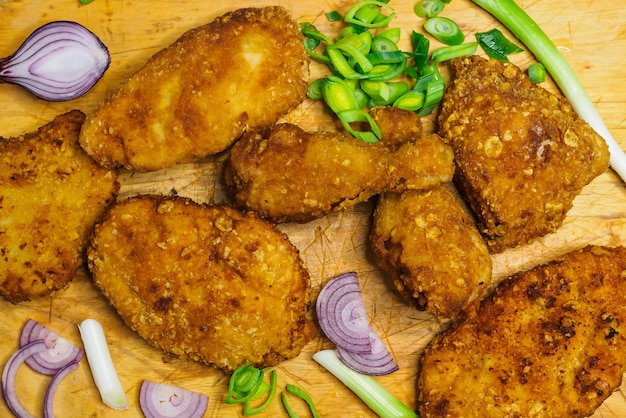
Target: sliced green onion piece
{"points": [[421, 45], [247, 410], [333, 16], [244, 384], [383, 44], [381, 401], [341, 65], [535, 39], [428, 8], [412, 100], [393, 57], [454, 51], [300, 393], [444, 30], [537, 72], [339, 95], [366, 6], [395, 90], [310, 31], [361, 98], [315, 90], [393, 34], [358, 115], [496, 45], [387, 72], [377, 90]]}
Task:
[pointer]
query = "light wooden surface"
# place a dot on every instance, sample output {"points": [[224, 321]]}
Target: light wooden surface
{"points": [[592, 37]]}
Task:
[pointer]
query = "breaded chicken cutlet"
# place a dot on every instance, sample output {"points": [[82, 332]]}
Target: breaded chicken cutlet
{"points": [[522, 153], [429, 247], [549, 342], [196, 97], [289, 175], [209, 283], [51, 195]]}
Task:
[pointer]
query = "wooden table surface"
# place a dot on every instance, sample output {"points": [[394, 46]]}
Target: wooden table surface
{"points": [[591, 36]]}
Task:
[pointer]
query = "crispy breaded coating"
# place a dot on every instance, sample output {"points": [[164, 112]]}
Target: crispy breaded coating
{"points": [[548, 343], [429, 247], [522, 153], [51, 195], [196, 97], [209, 283], [396, 125], [287, 174]]}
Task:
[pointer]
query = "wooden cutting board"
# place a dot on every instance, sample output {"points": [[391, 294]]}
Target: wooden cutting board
{"points": [[591, 36]]}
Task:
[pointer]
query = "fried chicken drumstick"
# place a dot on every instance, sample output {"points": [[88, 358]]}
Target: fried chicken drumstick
{"points": [[289, 175]]}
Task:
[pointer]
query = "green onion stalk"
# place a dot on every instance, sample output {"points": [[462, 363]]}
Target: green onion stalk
{"points": [[526, 30]]}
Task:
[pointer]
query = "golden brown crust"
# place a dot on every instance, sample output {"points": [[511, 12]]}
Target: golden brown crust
{"points": [[51, 195], [287, 174], [396, 125], [194, 98], [430, 248], [522, 153], [548, 343], [207, 282]]}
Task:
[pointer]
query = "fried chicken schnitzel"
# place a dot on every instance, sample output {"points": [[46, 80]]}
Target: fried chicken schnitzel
{"points": [[206, 282], [196, 97], [51, 195], [287, 174], [429, 247], [549, 342], [522, 153]]}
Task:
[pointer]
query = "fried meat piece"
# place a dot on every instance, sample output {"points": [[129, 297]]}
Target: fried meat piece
{"points": [[522, 153], [287, 174], [196, 97], [396, 125], [549, 342], [209, 283], [51, 195], [428, 245]]}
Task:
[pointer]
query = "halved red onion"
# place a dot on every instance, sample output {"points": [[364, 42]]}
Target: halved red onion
{"points": [[9, 375], [378, 362], [341, 314], [159, 400], [59, 61], [48, 403], [60, 351]]}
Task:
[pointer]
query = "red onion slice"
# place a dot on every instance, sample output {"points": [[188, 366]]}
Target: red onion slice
{"points": [[159, 400], [9, 375], [341, 314], [59, 61], [48, 402], [378, 362], [60, 351]]}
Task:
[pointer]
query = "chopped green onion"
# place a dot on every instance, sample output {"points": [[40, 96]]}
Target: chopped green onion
{"points": [[537, 73], [496, 45], [300, 393], [393, 34], [339, 95], [535, 39], [353, 52], [358, 115], [341, 65], [454, 51], [362, 14], [365, 387], [334, 16], [316, 89], [246, 385], [84, 2], [412, 100], [444, 30], [247, 410], [383, 44], [428, 8]]}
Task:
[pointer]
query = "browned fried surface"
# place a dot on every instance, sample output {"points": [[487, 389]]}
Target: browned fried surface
{"points": [[429, 247], [207, 282], [396, 125], [522, 153], [548, 343], [287, 174], [51, 194], [245, 69]]}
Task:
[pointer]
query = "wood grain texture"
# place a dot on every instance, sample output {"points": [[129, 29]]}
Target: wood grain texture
{"points": [[592, 37]]}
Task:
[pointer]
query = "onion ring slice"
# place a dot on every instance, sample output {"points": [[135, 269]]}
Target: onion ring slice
{"points": [[378, 362], [9, 376], [341, 314], [162, 400]]}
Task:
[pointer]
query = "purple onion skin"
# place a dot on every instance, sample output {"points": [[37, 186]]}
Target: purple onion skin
{"points": [[59, 61]]}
